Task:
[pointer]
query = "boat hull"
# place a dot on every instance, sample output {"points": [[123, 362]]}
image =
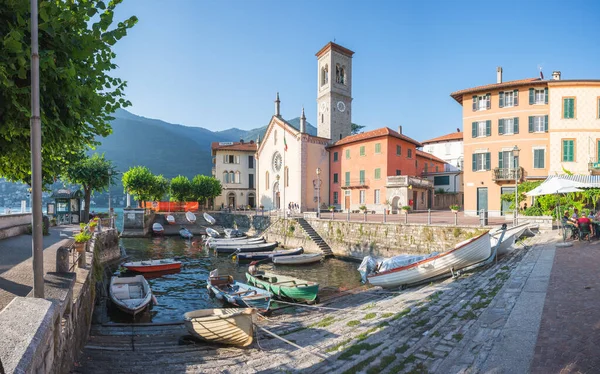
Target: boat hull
{"points": [[463, 255], [158, 229], [240, 294], [223, 326], [208, 218], [121, 293], [191, 217], [213, 244], [254, 256], [152, 266], [505, 246], [285, 287], [304, 259], [246, 248]]}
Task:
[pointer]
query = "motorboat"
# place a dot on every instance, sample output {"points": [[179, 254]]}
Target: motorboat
{"points": [[130, 294], [215, 243], [150, 266], [158, 229], [303, 259], [170, 219], [264, 256], [212, 233], [250, 247], [233, 233], [232, 326], [185, 233]]}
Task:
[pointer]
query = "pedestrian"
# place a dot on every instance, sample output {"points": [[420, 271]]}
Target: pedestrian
{"points": [[525, 206]]}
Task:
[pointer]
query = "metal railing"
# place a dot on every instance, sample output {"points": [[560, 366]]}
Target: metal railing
{"points": [[507, 174], [355, 183]]}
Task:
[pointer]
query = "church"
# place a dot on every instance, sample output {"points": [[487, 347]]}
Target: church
{"points": [[292, 165]]}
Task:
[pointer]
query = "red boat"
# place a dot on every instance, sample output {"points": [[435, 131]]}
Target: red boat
{"points": [[153, 265]]}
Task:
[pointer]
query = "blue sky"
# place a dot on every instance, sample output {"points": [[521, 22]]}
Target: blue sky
{"points": [[218, 64]]}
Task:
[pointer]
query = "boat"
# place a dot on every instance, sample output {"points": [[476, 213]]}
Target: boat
{"points": [[285, 287], [185, 233], [209, 218], [252, 256], [250, 247], [231, 326], [158, 229], [216, 243], [153, 265], [212, 233], [516, 231], [234, 240], [505, 245], [170, 219], [191, 217], [303, 259], [233, 233], [130, 294], [239, 294], [415, 269]]}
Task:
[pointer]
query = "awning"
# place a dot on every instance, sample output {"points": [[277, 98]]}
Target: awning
{"points": [[557, 184]]}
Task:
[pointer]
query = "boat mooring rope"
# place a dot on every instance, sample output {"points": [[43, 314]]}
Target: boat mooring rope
{"points": [[338, 309], [292, 344]]}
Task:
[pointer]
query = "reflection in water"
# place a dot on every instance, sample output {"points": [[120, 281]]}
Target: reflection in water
{"points": [[185, 290]]}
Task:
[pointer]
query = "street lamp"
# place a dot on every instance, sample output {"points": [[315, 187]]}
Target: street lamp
{"points": [[319, 192], [515, 153]]}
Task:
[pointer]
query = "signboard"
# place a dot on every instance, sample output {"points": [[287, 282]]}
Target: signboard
{"points": [[225, 143]]}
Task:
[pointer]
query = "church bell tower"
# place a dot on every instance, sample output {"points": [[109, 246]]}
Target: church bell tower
{"points": [[334, 92]]}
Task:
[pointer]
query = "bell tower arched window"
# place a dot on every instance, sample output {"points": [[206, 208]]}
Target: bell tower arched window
{"points": [[267, 180], [340, 74], [324, 75]]}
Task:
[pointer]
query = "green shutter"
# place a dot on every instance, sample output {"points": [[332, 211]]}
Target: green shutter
{"points": [[565, 151], [546, 95], [488, 128], [474, 103], [377, 173], [362, 150], [572, 150], [489, 101], [598, 151], [474, 131], [500, 126], [546, 123], [488, 161], [530, 123], [501, 99], [347, 181], [531, 96], [362, 177], [500, 160], [516, 97], [572, 112], [378, 148], [474, 161], [516, 125]]}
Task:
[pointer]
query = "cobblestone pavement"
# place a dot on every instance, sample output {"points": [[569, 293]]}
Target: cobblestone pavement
{"points": [[446, 326], [569, 335]]}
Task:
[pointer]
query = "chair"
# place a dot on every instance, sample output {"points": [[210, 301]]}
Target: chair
{"points": [[570, 231], [585, 231]]}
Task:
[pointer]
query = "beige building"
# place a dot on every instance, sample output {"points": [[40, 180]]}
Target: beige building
{"points": [[234, 165]]}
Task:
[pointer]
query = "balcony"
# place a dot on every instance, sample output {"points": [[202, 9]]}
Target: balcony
{"points": [[355, 183], [594, 168], [507, 175], [405, 181]]}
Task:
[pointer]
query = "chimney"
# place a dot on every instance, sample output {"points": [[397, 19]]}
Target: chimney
{"points": [[399, 129], [556, 75], [303, 122], [242, 141], [277, 102], [251, 141], [499, 74]]}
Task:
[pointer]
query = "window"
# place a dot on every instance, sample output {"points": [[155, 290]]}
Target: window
{"points": [[335, 178], [275, 137], [482, 102], [267, 180], [340, 74], [436, 168], [539, 158], [538, 124], [568, 107], [347, 154], [250, 180], [409, 153], [225, 177], [362, 177], [231, 177], [441, 181], [335, 197], [362, 150], [538, 96], [398, 172], [448, 147], [398, 150], [377, 147], [508, 98], [362, 196], [347, 181], [481, 129], [506, 160], [238, 178], [286, 176], [481, 161], [324, 75], [335, 156], [251, 162], [568, 150], [377, 197], [378, 173]]}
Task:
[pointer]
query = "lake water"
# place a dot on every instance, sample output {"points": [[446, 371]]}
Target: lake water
{"points": [[186, 290]]}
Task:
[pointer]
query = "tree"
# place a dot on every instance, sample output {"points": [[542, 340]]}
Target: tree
{"points": [[77, 93], [355, 129], [160, 187], [205, 188], [93, 173], [139, 182], [181, 189]]}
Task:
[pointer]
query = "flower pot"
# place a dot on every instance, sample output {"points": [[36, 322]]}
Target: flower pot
{"points": [[80, 247], [92, 228], [454, 210]]}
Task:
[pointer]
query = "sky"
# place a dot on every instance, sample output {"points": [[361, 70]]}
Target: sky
{"points": [[219, 64]]}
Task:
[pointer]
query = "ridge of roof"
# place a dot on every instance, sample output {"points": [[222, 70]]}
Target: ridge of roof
{"points": [[430, 156], [235, 146], [452, 136], [457, 95], [384, 131]]}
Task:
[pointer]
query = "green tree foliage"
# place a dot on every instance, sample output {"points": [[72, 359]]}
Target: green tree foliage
{"points": [[205, 188], [93, 173], [77, 93], [139, 182], [181, 189], [355, 129], [160, 187]]}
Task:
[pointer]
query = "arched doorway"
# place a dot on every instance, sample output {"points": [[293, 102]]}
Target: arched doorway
{"points": [[395, 204], [251, 200], [231, 200], [276, 196]]}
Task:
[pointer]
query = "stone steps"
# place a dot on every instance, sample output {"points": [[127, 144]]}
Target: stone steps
{"points": [[315, 237]]}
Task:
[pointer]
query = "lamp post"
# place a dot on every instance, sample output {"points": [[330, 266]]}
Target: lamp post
{"points": [[515, 153], [319, 192]]}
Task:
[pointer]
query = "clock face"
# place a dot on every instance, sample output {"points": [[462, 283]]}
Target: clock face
{"points": [[277, 160], [341, 106], [323, 106]]}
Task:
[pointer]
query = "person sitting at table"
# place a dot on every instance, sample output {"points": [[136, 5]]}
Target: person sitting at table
{"points": [[575, 215], [569, 226], [584, 223]]}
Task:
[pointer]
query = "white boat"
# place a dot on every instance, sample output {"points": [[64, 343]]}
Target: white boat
{"points": [[209, 218], [516, 231], [213, 244], [307, 258], [505, 246], [158, 229], [233, 233], [232, 326], [185, 233], [130, 294], [212, 232], [464, 254], [210, 239], [170, 219], [191, 217]]}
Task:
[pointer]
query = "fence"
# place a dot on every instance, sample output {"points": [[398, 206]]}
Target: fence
{"points": [[172, 206]]}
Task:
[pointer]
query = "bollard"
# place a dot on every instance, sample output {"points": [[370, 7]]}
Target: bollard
{"points": [[429, 216], [406, 217], [348, 216], [456, 219], [62, 260], [384, 216]]}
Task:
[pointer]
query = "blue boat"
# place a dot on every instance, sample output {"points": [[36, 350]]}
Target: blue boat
{"points": [[267, 256], [224, 288], [185, 233]]}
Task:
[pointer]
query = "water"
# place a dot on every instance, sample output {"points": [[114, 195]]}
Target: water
{"points": [[118, 218], [185, 291]]}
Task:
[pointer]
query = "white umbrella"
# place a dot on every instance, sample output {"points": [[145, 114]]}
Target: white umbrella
{"points": [[555, 185]]}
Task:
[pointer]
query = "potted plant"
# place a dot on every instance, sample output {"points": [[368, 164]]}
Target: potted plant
{"points": [[80, 240], [331, 208], [406, 209], [363, 208], [92, 224], [454, 208], [388, 204]]}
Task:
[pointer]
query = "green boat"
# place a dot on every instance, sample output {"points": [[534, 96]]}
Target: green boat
{"points": [[284, 287]]}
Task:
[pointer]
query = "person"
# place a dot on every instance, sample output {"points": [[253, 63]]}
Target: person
{"points": [[584, 223], [252, 269], [575, 215], [525, 206], [568, 226]]}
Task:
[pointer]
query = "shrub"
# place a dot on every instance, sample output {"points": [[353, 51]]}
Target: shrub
{"points": [[406, 208], [454, 207], [363, 208], [82, 237]]}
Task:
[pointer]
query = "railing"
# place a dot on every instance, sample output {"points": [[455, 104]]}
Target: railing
{"points": [[405, 181], [506, 174], [594, 167], [355, 183]]}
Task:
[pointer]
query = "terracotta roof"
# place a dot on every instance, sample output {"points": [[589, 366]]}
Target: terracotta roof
{"points": [[458, 95], [384, 131], [335, 47], [233, 146], [429, 156], [444, 138]]}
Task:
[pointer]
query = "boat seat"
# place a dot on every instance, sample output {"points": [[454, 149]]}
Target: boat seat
{"points": [[121, 291], [146, 263], [136, 291]]}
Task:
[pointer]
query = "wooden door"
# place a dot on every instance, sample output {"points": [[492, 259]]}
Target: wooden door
{"points": [[347, 202]]}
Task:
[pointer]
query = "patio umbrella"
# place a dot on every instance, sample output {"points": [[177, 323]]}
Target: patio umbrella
{"points": [[555, 185]]}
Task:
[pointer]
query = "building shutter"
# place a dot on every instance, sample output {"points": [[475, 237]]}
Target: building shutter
{"points": [[546, 123], [546, 95], [516, 97], [489, 101], [237, 159], [516, 125], [531, 123], [598, 150], [488, 161], [572, 150], [474, 132], [474, 103], [488, 128], [500, 160], [531, 96], [500, 99], [500, 126], [474, 161]]}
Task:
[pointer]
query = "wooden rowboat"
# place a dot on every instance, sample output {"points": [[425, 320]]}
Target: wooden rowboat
{"points": [[225, 326], [285, 287], [191, 217], [130, 294], [212, 232], [304, 259], [209, 218], [251, 247], [215, 243], [239, 294], [158, 229], [185, 233], [263, 256], [153, 265], [170, 219]]}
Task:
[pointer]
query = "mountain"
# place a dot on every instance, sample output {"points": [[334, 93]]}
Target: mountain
{"points": [[295, 122]]}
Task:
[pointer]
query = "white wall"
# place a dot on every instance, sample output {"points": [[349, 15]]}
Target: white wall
{"points": [[236, 188], [451, 151]]}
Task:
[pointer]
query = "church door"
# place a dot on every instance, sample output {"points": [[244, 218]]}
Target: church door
{"points": [[278, 200]]}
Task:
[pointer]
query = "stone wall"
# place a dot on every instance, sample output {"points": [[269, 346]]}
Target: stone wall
{"points": [[245, 222], [14, 224], [544, 222], [289, 234]]}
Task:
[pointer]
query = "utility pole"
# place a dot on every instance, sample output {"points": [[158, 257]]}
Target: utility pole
{"points": [[36, 160]]}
